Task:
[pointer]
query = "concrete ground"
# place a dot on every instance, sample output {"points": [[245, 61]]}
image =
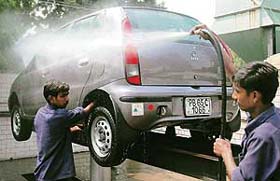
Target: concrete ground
{"points": [[16, 169], [20, 169]]}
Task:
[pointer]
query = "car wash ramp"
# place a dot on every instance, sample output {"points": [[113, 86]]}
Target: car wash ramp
{"points": [[180, 154]]}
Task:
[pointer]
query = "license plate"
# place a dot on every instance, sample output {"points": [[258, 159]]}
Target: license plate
{"points": [[198, 106]]}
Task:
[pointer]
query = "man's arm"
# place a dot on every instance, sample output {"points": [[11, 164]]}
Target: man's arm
{"points": [[89, 108], [261, 160], [223, 148], [75, 128], [74, 115]]}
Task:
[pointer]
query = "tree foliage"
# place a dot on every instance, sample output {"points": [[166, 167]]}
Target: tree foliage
{"points": [[16, 4], [238, 62], [18, 18], [13, 23]]}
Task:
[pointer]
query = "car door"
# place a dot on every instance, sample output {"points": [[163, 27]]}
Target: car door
{"points": [[73, 64], [32, 82]]}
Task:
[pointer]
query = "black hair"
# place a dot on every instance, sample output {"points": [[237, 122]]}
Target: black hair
{"points": [[53, 87], [258, 76]]}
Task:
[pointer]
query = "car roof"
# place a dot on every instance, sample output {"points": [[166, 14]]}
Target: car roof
{"points": [[156, 9], [122, 8]]}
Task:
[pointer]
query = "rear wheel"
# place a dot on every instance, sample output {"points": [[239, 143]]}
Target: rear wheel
{"points": [[21, 128], [104, 140]]}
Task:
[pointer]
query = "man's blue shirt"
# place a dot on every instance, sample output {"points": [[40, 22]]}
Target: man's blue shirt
{"points": [[260, 156], [55, 157]]}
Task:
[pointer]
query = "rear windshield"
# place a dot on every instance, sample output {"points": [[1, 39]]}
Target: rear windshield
{"points": [[146, 20]]}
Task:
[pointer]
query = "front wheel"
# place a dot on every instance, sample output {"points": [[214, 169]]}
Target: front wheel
{"points": [[21, 128], [104, 139]]}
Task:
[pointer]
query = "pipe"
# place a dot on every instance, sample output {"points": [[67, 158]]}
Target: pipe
{"points": [[216, 44]]}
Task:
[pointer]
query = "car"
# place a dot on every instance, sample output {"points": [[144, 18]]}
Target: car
{"points": [[142, 70]]}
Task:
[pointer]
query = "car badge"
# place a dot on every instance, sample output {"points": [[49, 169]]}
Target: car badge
{"points": [[194, 56]]}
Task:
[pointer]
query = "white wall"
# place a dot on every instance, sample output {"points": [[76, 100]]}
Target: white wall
{"points": [[9, 147], [12, 149]]}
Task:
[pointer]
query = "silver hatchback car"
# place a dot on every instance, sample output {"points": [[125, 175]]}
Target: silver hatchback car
{"points": [[142, 71]]}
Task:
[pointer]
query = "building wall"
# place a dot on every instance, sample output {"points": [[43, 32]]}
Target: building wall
{"points": [[5, 84], [12, 149], [9, 147], [250, 45], [275, 60]]}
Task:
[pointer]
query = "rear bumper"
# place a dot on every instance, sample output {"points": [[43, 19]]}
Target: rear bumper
{"points": [[141, 106]]}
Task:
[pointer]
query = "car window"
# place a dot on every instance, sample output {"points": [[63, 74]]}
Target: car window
{"points": [[145, 20], [31, 65], [91, 24], [94, 26], [112, 20], [78, 37], [65, 29]]}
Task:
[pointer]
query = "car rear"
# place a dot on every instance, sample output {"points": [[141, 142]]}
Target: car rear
{"points": [[171, 77], [156, 76]]}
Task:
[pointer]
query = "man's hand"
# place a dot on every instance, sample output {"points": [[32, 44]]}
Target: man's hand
{"points": [[89, 107], [197, 30], [226, 52], [75, 128], [221, 147]]}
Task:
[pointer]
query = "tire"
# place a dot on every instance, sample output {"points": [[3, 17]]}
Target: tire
{"points": [[21, 128], [105, 143]]}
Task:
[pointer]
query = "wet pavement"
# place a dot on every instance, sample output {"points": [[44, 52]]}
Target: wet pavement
{"points": [[21, 170], [17, 162], [12, 170]]}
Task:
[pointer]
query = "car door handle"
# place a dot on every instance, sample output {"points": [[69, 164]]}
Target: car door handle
{"points": [[83, 62]]}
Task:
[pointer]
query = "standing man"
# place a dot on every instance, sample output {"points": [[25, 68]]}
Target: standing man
{"points": [[254, 87], [53, 125]]}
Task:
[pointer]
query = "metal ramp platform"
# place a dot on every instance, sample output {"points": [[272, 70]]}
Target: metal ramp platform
{"points": [[180, 154]]}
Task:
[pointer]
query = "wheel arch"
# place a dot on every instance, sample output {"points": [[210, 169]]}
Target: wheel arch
{"points": [[101, 98], [13, 100]]}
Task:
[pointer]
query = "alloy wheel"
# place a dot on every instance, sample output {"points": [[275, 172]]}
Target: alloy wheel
{"points": [[16, 122], [101, 136]]}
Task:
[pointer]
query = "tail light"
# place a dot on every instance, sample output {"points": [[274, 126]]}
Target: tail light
{"points": [[132, 65], [126, 26], [132, 68]]}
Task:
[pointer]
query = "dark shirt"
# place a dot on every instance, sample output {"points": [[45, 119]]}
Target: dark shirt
{"points": [[55, 157], [260, 156]]}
